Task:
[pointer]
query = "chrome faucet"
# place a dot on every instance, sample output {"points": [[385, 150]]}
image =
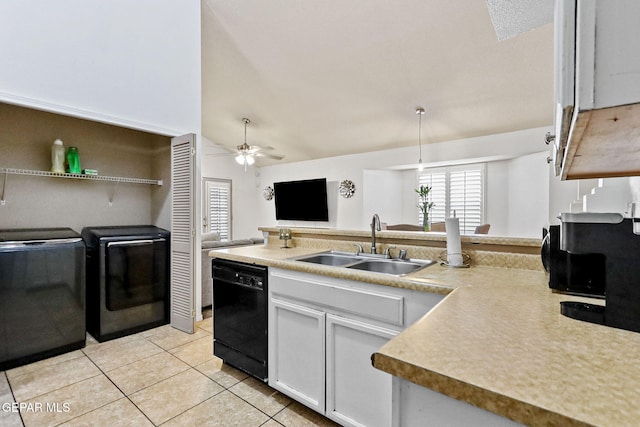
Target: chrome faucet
{"points": [[375, 225], [359, 250]]}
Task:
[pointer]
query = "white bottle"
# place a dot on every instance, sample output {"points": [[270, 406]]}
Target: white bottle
{"points": [[57, 156]]}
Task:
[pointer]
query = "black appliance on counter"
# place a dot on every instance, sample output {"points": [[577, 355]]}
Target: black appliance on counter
{"points": [[614, 249], [240, 316], [127, 279], [42, 294], [572, 273]]}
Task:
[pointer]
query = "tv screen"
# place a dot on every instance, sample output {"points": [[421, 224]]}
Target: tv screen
{"points": [[301, 200]]}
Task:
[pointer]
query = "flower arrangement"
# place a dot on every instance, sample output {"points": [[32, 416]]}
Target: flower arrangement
{"points": [[425, 205]]}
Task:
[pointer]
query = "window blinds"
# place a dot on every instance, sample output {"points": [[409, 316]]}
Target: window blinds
{"points": [[438, 183], [456, 189], [465, 198], [219, 208]]}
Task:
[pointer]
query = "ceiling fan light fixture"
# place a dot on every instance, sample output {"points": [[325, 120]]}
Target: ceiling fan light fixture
{"points": [[245, 158]]}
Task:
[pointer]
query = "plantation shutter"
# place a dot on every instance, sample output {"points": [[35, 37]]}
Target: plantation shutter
{"points": [[438, 183], [465, 196], [459, 189], [219, 208], [182, 233]]}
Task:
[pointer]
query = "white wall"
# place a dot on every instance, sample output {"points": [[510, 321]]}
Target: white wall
{"points": [[523, 195], [132, 63], [497, 198], [612, 195], [528, 195], [355, 213], [382, 194], [244, 187], [409, 197]]}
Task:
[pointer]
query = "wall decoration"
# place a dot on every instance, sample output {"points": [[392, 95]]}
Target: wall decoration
{"points": [[267, 193], [347, 188]]}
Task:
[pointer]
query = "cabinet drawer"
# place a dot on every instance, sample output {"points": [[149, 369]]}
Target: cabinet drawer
{"points": [[370, 304]]}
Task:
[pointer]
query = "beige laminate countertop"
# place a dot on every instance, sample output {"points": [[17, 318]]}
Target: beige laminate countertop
{"points": [[498, 341]]}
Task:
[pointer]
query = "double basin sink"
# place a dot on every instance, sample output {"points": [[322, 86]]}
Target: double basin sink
{"points": [[366, 262]]}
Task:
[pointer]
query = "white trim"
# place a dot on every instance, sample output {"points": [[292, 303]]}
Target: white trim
{"points": [[50, 107]]}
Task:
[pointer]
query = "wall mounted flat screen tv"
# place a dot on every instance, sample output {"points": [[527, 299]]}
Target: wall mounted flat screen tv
{"points": [[301, 200]]}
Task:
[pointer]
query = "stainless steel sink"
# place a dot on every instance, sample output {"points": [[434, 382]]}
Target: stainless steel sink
{"points": [[392, 266], [366, 262], [335, 259]]}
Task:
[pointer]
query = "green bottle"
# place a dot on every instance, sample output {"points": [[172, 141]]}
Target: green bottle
{"points": [[73, 160]]}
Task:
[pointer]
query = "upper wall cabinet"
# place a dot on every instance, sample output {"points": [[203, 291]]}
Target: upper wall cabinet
{"points": [[597, 88], [129, 63]]}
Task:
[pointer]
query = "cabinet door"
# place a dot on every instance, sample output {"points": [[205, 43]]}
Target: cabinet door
{"points": [[357, 393], [296, 352], [564, 77]]}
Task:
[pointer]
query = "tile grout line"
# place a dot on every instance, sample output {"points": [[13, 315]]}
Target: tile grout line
{"points": [[190, 366], [171, 376], [12, 395], [127, 396], [268, 416], [60, 388], [120, 390], [45, 366]]}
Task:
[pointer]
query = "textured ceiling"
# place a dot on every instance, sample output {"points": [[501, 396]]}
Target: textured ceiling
{"points": [[326, 78]]}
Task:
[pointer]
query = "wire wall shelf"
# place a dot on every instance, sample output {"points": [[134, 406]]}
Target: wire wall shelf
{"points": [[10, 171]]}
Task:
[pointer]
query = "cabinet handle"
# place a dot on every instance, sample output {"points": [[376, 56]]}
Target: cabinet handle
{"points": [[548, 138], [549, 159]]}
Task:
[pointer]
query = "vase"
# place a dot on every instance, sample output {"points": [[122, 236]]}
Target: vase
{"points": [[426, 224]]}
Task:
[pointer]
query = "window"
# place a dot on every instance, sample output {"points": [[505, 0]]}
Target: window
{"points": [[459, 189], [217, 207]]}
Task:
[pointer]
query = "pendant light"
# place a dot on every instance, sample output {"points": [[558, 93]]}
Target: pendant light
{"points": [[420, 113]]}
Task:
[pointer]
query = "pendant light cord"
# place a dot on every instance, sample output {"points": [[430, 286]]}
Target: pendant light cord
{"points": [[420, 112], [420, 134]]}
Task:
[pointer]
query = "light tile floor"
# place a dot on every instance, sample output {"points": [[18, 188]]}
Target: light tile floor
{"points": [[157, 377]]}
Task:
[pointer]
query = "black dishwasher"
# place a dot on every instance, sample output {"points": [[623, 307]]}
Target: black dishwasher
{"points": [[240, 316]]}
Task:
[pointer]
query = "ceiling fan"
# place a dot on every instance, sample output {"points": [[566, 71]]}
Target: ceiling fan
{"points": [[245, 153]]}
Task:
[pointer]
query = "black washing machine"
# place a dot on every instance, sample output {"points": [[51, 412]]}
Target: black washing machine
{"points": [[127, 279], [42, 294]]}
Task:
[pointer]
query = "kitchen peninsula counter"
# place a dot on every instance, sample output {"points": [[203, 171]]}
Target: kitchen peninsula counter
{"points": [[499, 342]]}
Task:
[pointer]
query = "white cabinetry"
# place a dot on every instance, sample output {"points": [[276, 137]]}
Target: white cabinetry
{"points": [[357, 393], [322, 333], [597, 82], [296, 352]]}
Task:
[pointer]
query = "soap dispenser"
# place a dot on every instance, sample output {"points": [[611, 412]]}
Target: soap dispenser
{"points": [[73, 160], [57, 156]]}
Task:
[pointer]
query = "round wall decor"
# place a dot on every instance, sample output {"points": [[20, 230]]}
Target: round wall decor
{"points": [[347, 188], [267, 193]]}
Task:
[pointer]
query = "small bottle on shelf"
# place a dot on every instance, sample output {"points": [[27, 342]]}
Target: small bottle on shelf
{"points": [[57, 156], [73, 160]]}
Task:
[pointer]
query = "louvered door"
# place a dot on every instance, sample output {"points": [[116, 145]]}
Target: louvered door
{"points": [[182, 232]]}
